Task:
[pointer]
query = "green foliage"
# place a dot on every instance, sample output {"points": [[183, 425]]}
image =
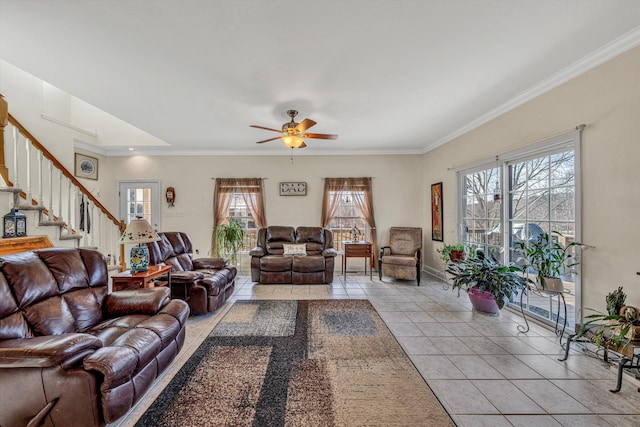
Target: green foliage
{"points": [[610, 329], [445, 251], [547, 257], [229, 238], [615, 301], [487, 274]]}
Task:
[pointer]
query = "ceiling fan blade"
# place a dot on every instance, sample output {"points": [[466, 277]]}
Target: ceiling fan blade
{"points": [[267, 140], [262, 127], [304, 125], [320, 136]]}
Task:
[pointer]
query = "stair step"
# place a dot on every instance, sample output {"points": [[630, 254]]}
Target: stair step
{"points": [[31, 208], [71, 237], [51, 223], [10, 190]]}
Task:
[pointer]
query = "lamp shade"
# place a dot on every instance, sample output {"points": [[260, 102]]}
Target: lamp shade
{"points": [[139, 231]]}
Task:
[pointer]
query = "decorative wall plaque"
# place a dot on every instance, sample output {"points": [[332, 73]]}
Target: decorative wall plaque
{"points": [[293, 188]]}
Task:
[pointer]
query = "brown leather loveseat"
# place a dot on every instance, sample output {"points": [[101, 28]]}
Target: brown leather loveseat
{"points": [[71, 354], [205, 283], [269, 264]]}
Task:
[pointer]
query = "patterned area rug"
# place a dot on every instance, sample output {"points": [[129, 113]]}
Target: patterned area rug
{"points": [[298, 363]]}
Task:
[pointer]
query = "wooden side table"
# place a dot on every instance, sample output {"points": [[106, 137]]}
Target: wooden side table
{"points": [[143, 279], [358, 250]]}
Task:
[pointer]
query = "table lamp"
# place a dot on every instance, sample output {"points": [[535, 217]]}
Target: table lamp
{"points": [[139, 231]]}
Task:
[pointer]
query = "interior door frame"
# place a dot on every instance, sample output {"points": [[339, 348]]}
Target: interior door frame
{"points": [[156, 202]]}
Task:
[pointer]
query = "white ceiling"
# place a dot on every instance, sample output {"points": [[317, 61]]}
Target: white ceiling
{"points": [[388, 76]]}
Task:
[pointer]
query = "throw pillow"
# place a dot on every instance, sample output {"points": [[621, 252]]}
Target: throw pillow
{"points": [[291, 250]]}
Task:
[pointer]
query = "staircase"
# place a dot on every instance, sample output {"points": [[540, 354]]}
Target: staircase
{"points": [[63, 210]]}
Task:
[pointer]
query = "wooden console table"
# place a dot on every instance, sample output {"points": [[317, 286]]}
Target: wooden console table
{"points": [[143, 279], [358, 250]]}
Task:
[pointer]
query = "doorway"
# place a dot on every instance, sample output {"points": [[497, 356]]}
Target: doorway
{"points": [[140, 199]]}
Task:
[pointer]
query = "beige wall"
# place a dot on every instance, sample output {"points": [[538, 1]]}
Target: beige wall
{"points": [[397, 187], [607, 100]]}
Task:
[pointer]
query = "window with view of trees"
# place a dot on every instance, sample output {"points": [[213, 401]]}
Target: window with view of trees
{"points": [[348, 203], [348, 215], [517, 199], [240, 200]]}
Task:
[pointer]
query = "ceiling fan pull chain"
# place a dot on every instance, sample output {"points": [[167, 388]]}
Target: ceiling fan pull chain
{"points": [[291, 155]]}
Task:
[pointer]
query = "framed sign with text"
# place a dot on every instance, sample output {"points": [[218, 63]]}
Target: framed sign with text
{"points": [[293, 188]]}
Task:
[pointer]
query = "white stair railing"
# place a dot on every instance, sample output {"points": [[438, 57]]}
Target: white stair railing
{"points": [[62, 192]]}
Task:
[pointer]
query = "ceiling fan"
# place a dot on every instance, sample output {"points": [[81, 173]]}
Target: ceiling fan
{"points": [[293, 134]]}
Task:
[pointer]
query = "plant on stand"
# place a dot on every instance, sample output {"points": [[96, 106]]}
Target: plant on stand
{"points": [[617, 328], [487, 281], [549, 259], [229, 238], [451, 253]]}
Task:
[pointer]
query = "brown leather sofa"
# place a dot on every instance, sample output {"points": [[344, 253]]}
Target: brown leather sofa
{"points": [[270, 265], [70, 353], [205, 283]]}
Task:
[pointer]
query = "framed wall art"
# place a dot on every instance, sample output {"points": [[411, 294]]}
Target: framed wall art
{"points": [[86, 167], [436, 212], [293, 188]]}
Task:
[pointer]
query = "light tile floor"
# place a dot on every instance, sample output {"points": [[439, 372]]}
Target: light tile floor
{"points": [[481, 368]]}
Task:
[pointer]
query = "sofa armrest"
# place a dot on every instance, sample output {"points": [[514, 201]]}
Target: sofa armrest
{"points": [[209, 263], [136, 301], [384, 250], [257, 251], [116, 364], [186, 276], [46, 351], [329, 252]]}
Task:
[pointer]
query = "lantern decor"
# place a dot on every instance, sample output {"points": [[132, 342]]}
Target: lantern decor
{"points": [[14, 224], [139, 231]]}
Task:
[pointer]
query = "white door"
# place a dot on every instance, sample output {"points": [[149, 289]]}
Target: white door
{"points": [[140, 199]]}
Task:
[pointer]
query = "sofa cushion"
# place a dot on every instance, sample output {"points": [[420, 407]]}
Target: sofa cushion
{"points": [[277, 236], [275, 263], [407, 261], [308, 264]]}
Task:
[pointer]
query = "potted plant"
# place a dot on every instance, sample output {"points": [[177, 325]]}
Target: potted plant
{"points": [[549, 259], [451, 253], [617, 328], [229, 238], [487, 281]]}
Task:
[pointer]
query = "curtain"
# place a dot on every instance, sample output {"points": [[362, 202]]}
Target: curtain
{"points": [[361, 191], [251, 191]]}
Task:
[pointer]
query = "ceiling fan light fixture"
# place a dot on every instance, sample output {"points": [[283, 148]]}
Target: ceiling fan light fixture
{"points": [[293, 141]]}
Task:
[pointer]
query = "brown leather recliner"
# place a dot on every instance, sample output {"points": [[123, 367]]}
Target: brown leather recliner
{"points": [[270, 265], [205, 283], [71, 354]]}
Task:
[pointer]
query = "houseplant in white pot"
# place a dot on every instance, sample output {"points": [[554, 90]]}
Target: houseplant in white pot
{"points": [[488, 282], [549, 259]]}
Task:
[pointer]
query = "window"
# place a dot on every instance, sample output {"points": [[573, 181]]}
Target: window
{"points": [[482, 210], [240, 200], [348, 203], [348, 215], [140, 199], [541, 195], [240, 213]]}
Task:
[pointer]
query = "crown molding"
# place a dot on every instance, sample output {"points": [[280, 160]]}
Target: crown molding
{"points": [[119, 151], [609, 51]]}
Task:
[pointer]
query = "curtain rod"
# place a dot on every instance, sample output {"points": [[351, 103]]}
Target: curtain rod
{"points": [[579, 128], [213, 177]]}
